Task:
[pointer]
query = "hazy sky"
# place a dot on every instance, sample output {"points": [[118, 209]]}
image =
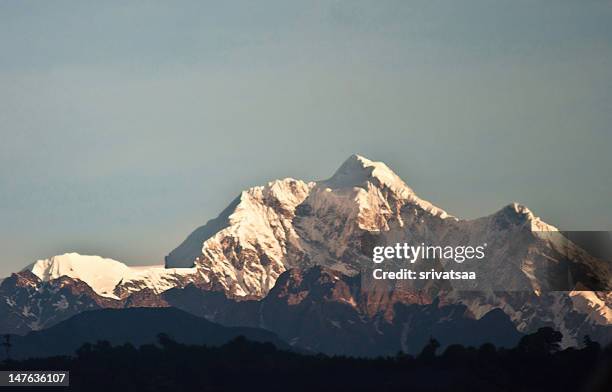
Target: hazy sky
{"points": [[124, 125]]}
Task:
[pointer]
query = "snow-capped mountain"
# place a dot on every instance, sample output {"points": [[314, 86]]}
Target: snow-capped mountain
{"points": [[290, 223], [230, 269], [111, 278], [334, 223], [244, 250]]}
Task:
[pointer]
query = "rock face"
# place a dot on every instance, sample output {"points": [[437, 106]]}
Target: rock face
{"points": [[289, 256], [323, 310], [27, 303]]}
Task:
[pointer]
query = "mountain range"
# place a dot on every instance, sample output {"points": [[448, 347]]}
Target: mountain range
{"points": [[289, 257]]}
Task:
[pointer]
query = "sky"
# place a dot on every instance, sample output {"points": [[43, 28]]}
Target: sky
{"points": [[125, 125]]}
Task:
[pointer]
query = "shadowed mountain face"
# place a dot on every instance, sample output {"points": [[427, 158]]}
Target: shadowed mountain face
{"points": [[137, 326], [319, 310], [322, 310]]}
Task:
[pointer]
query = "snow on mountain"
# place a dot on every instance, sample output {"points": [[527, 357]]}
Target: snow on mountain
{"points": [[157, 278], [267, 229], [293, 224], [99, 273], [360, 172], [243, 250], [104, 275]]}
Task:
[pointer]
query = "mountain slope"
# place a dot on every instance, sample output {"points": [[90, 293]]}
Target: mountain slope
{"points": [[110, 278], [137, 326], [244, 250], [323, 310], [286, 224], [27, 303]]}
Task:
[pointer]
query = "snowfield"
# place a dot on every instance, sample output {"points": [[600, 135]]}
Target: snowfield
{"points": [[105, 275]]}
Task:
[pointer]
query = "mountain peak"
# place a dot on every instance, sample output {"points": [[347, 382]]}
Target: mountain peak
{"points": [[100, 273], [360, 159], [360, 172], [519, 214], [357, 170], [518, 209]]}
